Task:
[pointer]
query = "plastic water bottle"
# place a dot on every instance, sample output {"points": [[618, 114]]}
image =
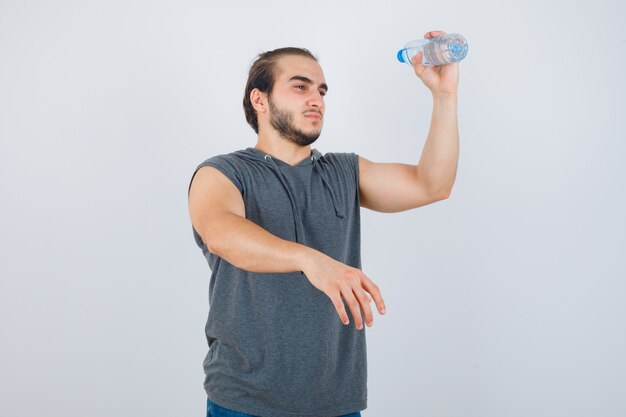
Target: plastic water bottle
{"points": [[439, 50]]}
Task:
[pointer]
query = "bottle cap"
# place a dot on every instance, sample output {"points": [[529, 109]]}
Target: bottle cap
{"points": [[401, 55]]}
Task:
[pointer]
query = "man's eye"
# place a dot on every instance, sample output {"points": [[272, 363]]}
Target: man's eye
{"points": [[322, 93], [300, 86]]}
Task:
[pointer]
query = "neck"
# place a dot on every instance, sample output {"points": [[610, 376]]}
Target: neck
{"points": [[282, 148]]}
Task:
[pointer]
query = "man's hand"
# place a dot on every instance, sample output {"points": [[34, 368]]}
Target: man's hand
{"points": [[336, 279], [440, 79]]}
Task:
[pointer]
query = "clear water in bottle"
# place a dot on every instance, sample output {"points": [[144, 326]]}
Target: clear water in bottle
{"points": [[439, 50]]}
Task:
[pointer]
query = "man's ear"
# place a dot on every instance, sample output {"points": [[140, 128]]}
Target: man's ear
{"points": [[259, 100]]}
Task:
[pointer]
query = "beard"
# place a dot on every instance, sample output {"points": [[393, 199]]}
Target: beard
{"points": [[282, 121]]}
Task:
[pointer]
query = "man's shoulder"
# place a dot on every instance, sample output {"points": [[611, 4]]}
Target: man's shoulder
{"points": [[347, 159], [230, 164], [338, 154], [233, 157]]}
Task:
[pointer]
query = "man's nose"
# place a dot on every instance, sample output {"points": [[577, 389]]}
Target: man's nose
{"points": [[316, 100]]}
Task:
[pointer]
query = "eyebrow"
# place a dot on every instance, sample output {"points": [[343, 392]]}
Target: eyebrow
{"points": [[307, 80]]}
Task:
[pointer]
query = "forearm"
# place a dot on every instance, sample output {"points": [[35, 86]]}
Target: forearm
{"points": [[248, 246], [438, 163]]}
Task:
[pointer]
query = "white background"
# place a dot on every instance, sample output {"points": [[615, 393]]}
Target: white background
{"points": [[505, 300]]}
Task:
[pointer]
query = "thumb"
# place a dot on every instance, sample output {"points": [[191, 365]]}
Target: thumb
{"points": [[416, 58]]}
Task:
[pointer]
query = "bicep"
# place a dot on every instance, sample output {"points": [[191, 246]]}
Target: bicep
{"points": [[211, 195], [391, 187]]}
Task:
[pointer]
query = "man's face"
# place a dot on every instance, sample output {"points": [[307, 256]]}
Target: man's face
{"points": [[297, 100]]}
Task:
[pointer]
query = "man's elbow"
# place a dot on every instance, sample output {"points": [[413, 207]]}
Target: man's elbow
{"points": [[444, 194], [213, 242]]}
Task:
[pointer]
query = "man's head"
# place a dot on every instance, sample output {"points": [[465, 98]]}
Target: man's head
{"points": [[285, 92]]}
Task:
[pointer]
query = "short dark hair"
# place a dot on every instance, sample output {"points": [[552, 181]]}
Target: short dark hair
{"points": [[263, 74]]}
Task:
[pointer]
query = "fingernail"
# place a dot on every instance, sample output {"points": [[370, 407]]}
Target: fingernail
{"points": [[383, 310]]}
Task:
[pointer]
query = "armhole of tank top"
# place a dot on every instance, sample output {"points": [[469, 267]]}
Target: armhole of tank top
{"points": [[355, 158], [227, 171]]}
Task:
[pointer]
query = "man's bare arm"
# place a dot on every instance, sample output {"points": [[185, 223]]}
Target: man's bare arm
{"points": [[218, 215]]}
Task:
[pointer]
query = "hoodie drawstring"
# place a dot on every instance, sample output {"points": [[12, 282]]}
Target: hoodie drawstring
{"points": [[325, 181], [293, 201]]}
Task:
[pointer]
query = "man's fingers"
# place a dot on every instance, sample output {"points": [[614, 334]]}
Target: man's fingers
{"points": [[418, 67], [417, 58], [373, 289], [353, 305], [434, 33], [341, 310], [361, 295], [355, 294]]}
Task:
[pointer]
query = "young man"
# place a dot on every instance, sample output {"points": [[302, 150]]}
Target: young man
{"points": [[279, 226]]}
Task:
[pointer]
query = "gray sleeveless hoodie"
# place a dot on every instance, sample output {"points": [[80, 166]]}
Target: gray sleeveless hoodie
{"points": [[277, 347]]}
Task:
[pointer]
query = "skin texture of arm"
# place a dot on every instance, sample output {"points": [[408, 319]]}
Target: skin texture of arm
{"points": [[395, 187]]}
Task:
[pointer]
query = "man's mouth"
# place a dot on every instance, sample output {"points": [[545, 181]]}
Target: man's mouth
{"points": [[313, 115]]}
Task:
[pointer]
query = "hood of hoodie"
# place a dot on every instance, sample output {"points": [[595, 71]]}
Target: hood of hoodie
{"points": [[319, 164]]}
